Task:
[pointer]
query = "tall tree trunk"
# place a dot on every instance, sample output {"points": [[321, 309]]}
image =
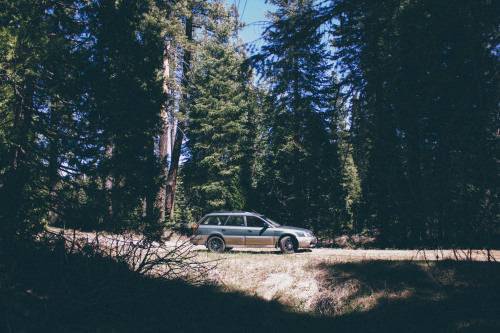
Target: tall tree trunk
{"points": [[172, 174], [164, 135], [53, 176], [108, 182], [177, 146]]}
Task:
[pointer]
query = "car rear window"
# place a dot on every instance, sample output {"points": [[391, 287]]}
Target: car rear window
{"points": [[214, 220]]}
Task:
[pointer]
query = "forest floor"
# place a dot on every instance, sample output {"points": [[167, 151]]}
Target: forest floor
{"points": [[341, 281], [250, 290]]}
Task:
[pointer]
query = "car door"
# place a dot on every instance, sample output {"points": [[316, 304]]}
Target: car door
{"points": [[258, 232], [234, 230]]}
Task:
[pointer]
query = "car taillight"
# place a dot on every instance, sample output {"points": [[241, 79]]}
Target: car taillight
{"points": [[195, 227]]}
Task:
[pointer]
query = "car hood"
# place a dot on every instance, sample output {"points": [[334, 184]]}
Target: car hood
{"points": [[293, 229]]}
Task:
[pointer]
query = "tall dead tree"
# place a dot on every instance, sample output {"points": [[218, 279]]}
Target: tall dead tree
{"points": [[181, 123], [166, 127], [173, 123]]}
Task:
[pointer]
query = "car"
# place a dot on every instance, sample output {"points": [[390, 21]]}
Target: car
{"points": [[220, 231]]}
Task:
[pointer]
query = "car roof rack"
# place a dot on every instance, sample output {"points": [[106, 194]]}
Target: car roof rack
{"points": [[234, 212]]}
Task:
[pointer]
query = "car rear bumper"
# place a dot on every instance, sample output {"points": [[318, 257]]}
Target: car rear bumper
{"points": [[198, 239]]}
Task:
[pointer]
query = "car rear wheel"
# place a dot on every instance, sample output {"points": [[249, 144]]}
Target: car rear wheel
{"points": [[216, 244], [287, 245]]}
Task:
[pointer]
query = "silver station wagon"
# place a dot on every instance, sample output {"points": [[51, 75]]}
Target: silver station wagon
{"points": [[221, 231]]}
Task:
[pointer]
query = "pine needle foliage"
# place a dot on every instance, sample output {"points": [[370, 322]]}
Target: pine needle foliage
{"points": [[301, 185], [218, 108]]}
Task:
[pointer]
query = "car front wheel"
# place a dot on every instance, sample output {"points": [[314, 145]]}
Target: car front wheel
{"points": [[216, 244], [287, 245]]}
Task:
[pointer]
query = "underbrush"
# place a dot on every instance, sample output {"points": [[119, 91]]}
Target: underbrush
{"points": [[56, 284], [48, 286]]}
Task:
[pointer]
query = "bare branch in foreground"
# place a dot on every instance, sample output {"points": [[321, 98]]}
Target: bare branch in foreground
{"points": [[152, 259]]}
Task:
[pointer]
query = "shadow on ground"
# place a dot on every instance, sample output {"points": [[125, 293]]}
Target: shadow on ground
{"points": [[409, 296], [47, 290]]}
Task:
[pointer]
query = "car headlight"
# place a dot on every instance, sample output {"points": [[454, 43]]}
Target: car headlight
{"points": [[305, 234]]}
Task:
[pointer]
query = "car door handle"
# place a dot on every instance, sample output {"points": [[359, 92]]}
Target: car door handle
{"points": [[249, 230], [223, 229]]}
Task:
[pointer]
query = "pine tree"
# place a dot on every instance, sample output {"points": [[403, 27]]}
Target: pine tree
{"points": [[217, 108], [302, 181], [124, 103], [425, 95], [39, 58]]}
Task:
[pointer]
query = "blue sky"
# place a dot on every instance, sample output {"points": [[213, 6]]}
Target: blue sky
{"points": [[253, 13]]}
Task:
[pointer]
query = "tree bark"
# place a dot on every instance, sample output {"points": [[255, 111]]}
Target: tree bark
{"points": [[108, 182], [53, 173], [164, 136], [177, 146]]}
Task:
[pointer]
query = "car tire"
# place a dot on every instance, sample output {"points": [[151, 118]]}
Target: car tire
{"points": [[287, 245], [216, 244]]}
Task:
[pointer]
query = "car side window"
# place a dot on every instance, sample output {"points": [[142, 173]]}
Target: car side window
{"points": [[253, 221], [213, 220], [235, 221]]}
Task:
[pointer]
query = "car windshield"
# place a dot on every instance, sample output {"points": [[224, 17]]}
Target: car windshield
{"points": [[271, 222]]}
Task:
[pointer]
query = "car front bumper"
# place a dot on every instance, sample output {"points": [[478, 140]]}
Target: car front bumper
{"points": [[307, 242]]}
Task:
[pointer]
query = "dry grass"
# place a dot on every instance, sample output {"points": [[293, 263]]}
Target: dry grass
{"points": [[268, 275], [338, 282]]}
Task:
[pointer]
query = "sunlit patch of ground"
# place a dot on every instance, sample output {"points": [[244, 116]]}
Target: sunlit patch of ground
{"points": [[316, 281]]}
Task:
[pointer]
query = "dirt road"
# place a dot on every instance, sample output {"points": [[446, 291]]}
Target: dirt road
{"points": [[351, 254], [322, 253]]}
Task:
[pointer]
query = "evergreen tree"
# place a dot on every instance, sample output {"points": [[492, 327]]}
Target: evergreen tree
{"points": [[302, 172], [39, 59], [124, 104], [218, 107], [426, 107]]}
